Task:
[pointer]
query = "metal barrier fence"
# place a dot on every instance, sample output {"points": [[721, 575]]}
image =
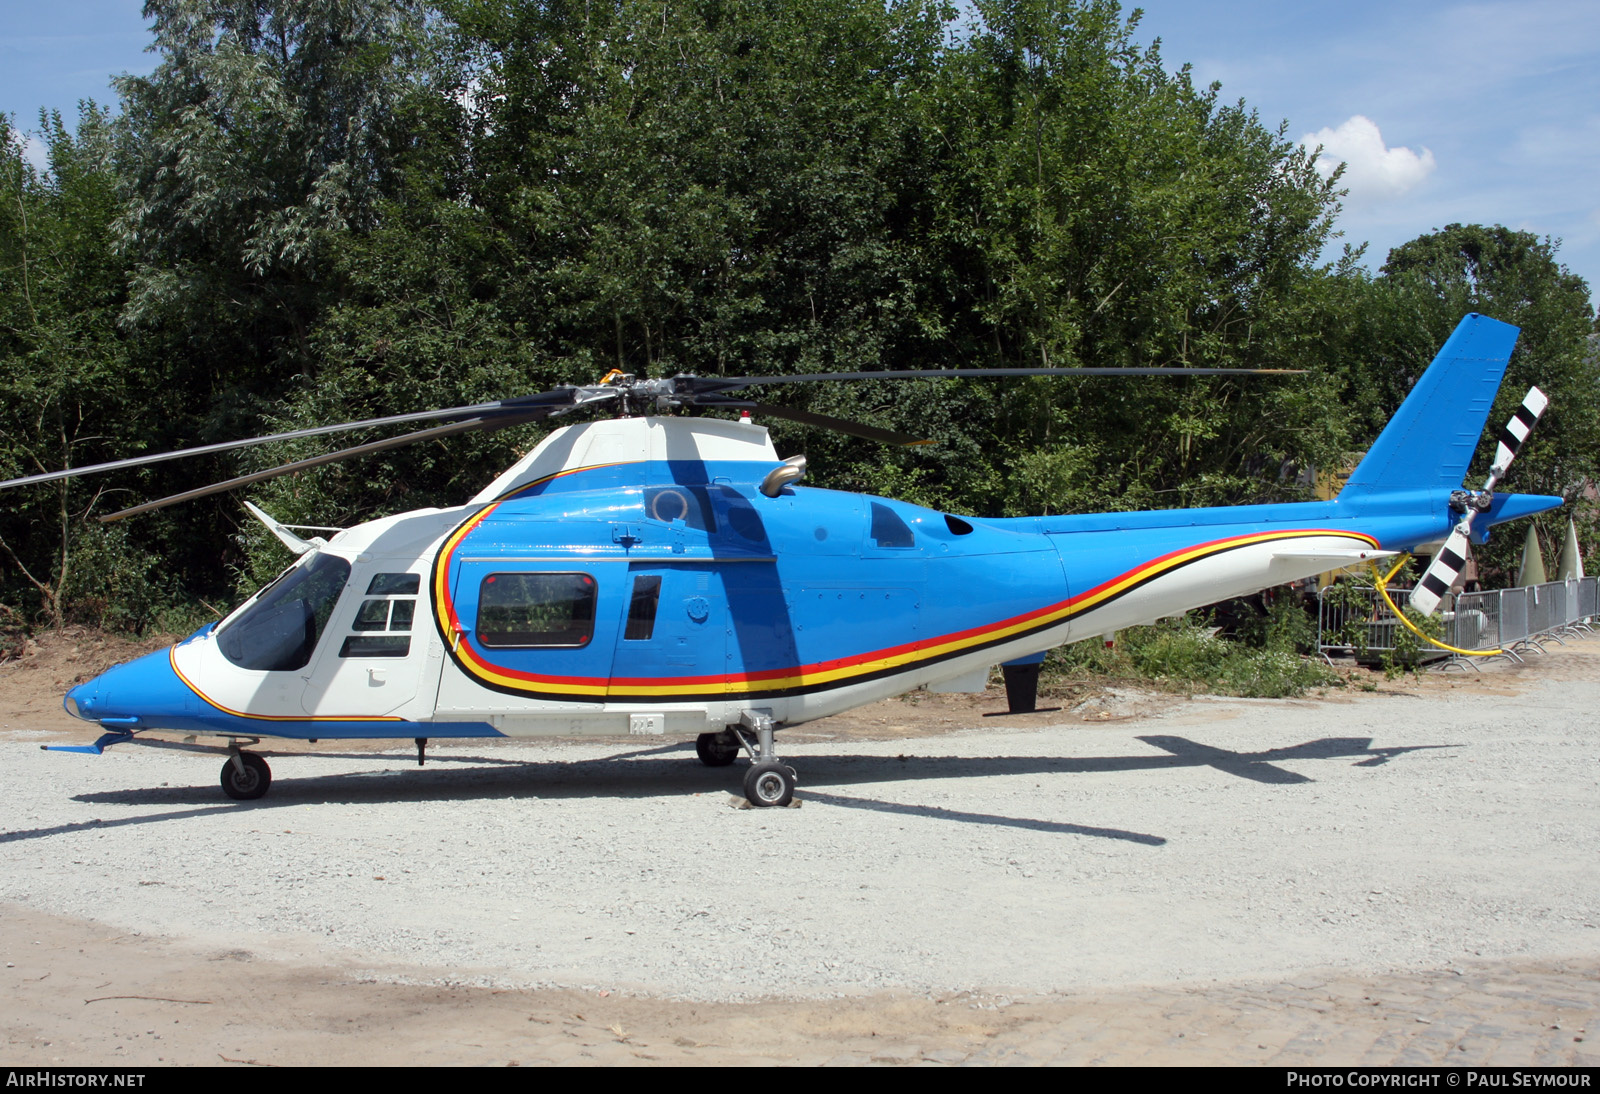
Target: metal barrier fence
{"points": [[1353, 619]]}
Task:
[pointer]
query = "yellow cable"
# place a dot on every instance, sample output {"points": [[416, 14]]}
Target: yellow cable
{"points": [[1383, 591]]}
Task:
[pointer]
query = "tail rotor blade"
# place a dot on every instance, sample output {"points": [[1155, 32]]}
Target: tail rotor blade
{"points": [[1513, 436], [1447, 565], [1443, 571]]}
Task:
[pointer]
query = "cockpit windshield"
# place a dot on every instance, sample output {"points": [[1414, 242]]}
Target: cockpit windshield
{"points": [[280, 630]]}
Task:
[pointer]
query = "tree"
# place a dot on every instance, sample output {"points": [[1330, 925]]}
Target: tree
{"points": [[70, 391], [1092, 208], [1435, 279], [266, 133]]}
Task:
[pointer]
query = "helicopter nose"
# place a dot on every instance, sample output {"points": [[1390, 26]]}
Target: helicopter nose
{"points": [[145, 693]]}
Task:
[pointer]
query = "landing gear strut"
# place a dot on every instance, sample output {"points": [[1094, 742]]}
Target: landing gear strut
{"points": [[768, 782], [245, 776]]}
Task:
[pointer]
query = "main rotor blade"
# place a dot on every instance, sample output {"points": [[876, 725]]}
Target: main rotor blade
{"points": [[839, 425], [807, 417], [694, 385], [554, 398], [469, 426]]}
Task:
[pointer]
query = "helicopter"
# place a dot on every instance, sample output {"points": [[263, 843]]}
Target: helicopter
{"points": [[668, 577]]}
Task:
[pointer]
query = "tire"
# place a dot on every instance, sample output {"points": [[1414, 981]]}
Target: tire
{"points": [[716, 749], [769, 784], [252, 784]]}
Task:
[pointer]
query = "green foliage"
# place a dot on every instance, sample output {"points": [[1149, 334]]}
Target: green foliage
{"points": [[64, 370], [327, 210], [1350, 602], [1288, 625], [1410, 648], [1187, 655]]}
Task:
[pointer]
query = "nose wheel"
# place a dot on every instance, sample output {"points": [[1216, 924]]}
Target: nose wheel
{"points": [[245, 776]]}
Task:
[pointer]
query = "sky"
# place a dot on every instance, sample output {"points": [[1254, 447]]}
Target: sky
{"points": [[1444, 112]]}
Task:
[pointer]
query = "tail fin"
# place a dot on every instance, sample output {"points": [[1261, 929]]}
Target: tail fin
{"points": [[1431, 439]]}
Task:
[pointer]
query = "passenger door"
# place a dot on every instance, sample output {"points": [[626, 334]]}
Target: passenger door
{"points": [[672, 633]]}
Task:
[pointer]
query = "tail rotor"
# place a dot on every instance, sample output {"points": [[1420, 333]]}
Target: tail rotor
{"points": [[1447, 565]]}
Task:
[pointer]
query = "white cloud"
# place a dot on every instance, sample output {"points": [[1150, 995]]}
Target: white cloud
{"points": [[1372, 171], [36, 152]]}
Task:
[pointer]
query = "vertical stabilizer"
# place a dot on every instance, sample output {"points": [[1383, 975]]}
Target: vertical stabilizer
{"points": [[1431, 439]]}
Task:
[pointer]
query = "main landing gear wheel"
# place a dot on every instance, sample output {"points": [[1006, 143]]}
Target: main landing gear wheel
{"points": [[716, 749], [249, 784], [769, 784]]}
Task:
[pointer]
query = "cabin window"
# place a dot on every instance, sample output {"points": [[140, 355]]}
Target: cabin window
{"points": [[279, 631], [888, 530], [642, 609], [389, 613], [394, 585], [376, 645], [531, 611], [373, 615]]}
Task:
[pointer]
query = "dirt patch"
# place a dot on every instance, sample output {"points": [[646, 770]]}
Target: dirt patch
{"points": [[39, 669], [77, 993]]}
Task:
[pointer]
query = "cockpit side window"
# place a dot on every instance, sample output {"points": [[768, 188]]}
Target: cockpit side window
{"points": [[280, 630], [389, 607]]}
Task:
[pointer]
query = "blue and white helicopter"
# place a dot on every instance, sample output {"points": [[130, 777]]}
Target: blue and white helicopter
{"points": [[666, 576]]}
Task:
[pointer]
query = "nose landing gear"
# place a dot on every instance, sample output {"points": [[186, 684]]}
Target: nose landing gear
{"points": [[245, 776]]}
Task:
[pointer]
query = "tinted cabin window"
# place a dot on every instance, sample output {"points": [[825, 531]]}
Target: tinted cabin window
{"points": [[394, 585], [376, 645], [525, 611], [888, 530], [373, 615], [390, 608], [642, 609], [280, 630]]}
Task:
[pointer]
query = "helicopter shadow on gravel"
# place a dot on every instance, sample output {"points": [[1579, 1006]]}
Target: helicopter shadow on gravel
{"points": [[1176, 752], [532, 782], [668, 770]]}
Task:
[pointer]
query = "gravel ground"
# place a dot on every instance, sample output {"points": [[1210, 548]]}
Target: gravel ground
{"points": [[1214, 839]]}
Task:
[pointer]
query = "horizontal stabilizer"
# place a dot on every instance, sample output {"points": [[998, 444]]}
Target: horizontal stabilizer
{"points": [[1334, 557]]}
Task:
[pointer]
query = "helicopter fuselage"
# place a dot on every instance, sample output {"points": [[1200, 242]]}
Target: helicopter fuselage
{"points": [[630, 577]]}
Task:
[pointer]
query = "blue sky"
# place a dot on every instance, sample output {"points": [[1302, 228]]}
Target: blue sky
{"points": [[1484, 112], [1445, 112]]}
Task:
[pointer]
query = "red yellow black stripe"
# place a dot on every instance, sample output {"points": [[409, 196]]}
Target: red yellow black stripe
{"points": [[833, 673]]}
